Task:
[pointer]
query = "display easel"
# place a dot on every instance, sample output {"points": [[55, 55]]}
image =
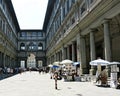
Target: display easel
{"points": [[113, 82]]}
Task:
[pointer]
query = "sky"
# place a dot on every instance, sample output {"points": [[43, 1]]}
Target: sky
{"points": [[30, 13]]}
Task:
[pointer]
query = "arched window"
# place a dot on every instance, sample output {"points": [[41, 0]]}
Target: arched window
{"points": [[31, 46], [22, 46], [40, 46]]}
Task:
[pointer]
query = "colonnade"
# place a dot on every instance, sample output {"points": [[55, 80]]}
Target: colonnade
{"points": [[7, 61], [77, 51]]}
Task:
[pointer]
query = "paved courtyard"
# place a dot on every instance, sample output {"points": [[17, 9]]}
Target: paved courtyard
{"points": [[35, 84]]}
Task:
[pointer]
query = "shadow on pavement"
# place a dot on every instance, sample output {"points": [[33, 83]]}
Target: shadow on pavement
{"points": [[105, 86], [79, 94], [5, 76]]}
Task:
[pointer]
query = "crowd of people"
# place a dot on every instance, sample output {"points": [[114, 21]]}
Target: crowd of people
{"points": [[7, 71]]}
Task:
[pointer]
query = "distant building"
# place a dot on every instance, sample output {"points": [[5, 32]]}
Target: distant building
{"points": [[18, 47], [31, 48]]}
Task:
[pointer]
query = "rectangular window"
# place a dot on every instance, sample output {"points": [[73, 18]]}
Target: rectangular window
{"points": [[22, 64], [83, 8], [29, 34], [91, 1], [39, 47], [40, 34], [23, 34], [4, 7], [34, 34], [67, 5], [3, 25], [40, 63], [73, 1], [0, 1], [22, 47], [63, 12]]}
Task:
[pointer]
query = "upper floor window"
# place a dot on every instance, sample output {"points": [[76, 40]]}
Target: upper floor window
{"points": [[91, 1], [40, 34], [23, 34], [73, 20], [29, 34], [34, 34], [22, 46], [31, 46], [63, 12], [83, 8], [73, 1], [3, 25], [67, 5], [0, 1]]}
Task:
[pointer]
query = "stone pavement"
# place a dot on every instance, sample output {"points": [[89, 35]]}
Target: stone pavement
{"points": [[35, 84]]}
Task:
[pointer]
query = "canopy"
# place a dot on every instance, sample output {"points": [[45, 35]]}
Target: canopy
{"points": [[99, 61], [56, 63], [55, 66], [114, 63], [50, 65], [76, 63], [66, 62]]}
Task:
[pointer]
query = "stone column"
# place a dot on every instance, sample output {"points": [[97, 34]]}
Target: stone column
{"points": [[78, 48], [78, 53], [4, 65], [107, 43], [50, 59], [68, 52], [92, 49], [73, 52], [55, 57], [107, 40], [0, 59], [58, 56], [81, 55], [63, 53], [83, 67]]}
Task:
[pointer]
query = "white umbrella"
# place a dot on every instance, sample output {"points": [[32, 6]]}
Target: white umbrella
{"points": [[99, 61], [76, 63], [66, 62], [50, 65], [114, 63], [56, 63]]}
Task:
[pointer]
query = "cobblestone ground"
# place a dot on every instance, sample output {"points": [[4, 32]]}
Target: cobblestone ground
{"points": [[35, 84]]}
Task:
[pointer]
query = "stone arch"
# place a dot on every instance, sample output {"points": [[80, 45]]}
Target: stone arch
{"points": [[31, 46], [31, 61], [40, 46], [22, 46]]}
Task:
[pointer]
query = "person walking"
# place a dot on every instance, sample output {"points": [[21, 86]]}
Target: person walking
{"points": [[56, 77]]}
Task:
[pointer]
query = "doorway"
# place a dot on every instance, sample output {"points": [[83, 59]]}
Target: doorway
{"points": [[31, 61]]}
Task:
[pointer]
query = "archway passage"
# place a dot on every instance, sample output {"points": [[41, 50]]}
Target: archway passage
{"points": [[31, 61]]}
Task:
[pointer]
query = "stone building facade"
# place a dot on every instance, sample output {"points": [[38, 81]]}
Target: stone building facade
{"points": [[8, 35], [79, 30], [31, 48], [82, 30], [19, 48]]}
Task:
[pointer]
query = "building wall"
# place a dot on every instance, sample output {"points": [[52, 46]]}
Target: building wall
{"points": [[8, 35], [80, 30], [31, 42], [91, 24]]}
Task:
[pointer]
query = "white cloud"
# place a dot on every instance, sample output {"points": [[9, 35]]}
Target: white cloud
{"points": [[30, 13]]}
